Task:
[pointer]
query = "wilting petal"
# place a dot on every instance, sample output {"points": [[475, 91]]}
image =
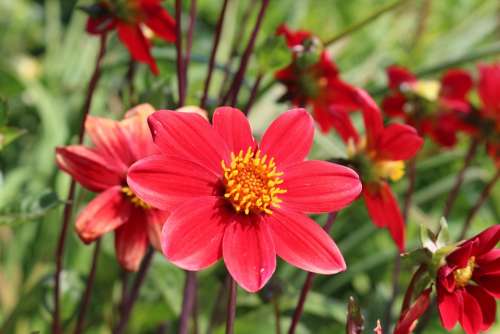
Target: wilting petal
{"points": [[88, 168], [491, 283], [289, 137], [155, 221], [110, 140], [384, 211], [167, 182], [131, 240], [399, 75], [398, 142], [487, 304], [233, 127], [192, 235], [189, 136], [159, 20], [137, 44], [408, 319], [303, 243], [471, 317], [103, 214], [249, 253], [450, 307], [319, 186]]}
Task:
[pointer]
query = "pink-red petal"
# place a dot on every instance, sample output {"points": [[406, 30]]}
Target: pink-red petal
{"points": [[167, 182], [155, 221], [103, 214], [471, 317], [248, 252], [303, 243], [159, 20], [289, 137], [137, 44], [398, 142], [319, 186], [408, 319], [131, 240], [399, 75], [192, 235], [486, 302], [233, 127], [450, 307]]}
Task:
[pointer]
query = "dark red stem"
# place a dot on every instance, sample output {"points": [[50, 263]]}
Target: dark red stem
{"points": [[68, 207], [411, 287], [481, 200], [134, 292], [232, 94], [308, 283], [253, 94], [180, 60], [211, 62], [88, 289], [452, 195], [189, 43], [231, 307], [187, 301]]}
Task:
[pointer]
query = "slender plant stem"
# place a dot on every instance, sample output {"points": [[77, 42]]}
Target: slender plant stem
{"points": [[134, 292], [277, 315], [253, 94], [411, 287], [358, 25], [481, 200], [68, 207], [187, 301], [217, 308], [181, 86], [189, 43], [125, 280], [308, 283], [231, 307], [213, 54], [452, 195], [130, 82], [88, 289], [238, 78]]}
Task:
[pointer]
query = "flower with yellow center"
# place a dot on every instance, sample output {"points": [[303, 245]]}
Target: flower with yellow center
{"points": [[428, 89], [464, 275], [252, 182], [388, 169], [136, 201]]}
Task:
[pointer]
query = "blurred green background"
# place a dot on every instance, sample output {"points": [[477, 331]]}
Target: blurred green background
{"points": [[46, 62]]}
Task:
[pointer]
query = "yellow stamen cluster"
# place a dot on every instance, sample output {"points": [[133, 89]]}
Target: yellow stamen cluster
{"points": [[387, 169], [129, 194], [252, 182], [464, 275]]}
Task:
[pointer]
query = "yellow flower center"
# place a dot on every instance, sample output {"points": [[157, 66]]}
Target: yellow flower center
{"points": [[428, 89], [129, 194], [387, 169], [252, 182], [464, 275]]}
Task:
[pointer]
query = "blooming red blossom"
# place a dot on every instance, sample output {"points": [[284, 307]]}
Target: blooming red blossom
{"points": [[378, 157], [129, 18], [234, 198], [434, 108], [312, 79], [469, 282], [103, 169], [408, 319]]}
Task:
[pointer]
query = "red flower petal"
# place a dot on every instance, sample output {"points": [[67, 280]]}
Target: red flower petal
{"points": [[455, 85], [303, 243], [393, 105], [407, 320], [487, 239], [167, 182], [491, 283], [486, 302], [158, 19], [110, 140], [233, 127], [135, 127], [399, 75], [384, 211], [489, 80], [289, 137], [87, 167], [192, 235], [342, 123], [155, 221], [189, 136], [103, 214], [372, 118], [450, 307], [471, 317], [131, 241], [138, 46], [100, 25], [248, 251], [398, 142], [319, 186], [488, 263]]}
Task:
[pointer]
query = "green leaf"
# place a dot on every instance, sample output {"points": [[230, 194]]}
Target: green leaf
{"points": [[3, 112], [419, 256], [443, 237], [273, 55], [29, 209], [8, 135]]}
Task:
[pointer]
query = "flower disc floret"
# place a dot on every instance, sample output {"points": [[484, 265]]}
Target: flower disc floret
{"points": [[132, 197], [463, 275], [252, 182]]}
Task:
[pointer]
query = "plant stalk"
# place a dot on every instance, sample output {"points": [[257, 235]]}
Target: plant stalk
{"points": [[231, 307]]}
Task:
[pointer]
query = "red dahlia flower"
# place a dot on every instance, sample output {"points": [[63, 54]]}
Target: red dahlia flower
{"points": [[433, 108], [469, 282], [103, 169], [130, 18], [246, 202], [312, 79], [379, 157]]}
